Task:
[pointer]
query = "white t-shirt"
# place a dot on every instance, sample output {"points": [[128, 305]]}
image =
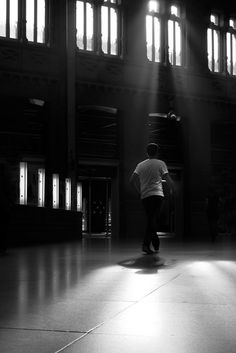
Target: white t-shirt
{"points": [[150, 172]]}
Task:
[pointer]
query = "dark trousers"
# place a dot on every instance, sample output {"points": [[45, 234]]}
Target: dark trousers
{"points": [[152, 206]]}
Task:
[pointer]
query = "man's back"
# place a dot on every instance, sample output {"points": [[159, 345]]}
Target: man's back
{"points": [[150, 172]]}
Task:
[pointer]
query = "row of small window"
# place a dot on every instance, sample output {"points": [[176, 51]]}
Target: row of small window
{"points": [[33, 181], [98, 29]]}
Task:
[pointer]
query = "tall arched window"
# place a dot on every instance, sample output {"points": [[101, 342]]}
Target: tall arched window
{"points": [[98, 26], [231, 47], [153, 31], [175, 36], [213, 43]]}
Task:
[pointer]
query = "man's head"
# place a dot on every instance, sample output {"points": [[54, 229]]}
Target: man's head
{"points": [[152, 149]]}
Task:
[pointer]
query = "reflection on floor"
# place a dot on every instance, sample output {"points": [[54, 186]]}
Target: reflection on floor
{"points": [[100, 297]]}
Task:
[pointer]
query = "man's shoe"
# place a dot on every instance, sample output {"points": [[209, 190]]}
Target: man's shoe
{"points": [[156, 243], [147, 250]]}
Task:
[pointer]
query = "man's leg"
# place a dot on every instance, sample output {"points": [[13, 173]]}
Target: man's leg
{"points": [[151, 206]]}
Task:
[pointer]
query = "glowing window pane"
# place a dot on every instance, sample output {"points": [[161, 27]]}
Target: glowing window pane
{"points": [[174, 10], [171, 41], [80, 24], [89, 26], [178, 43], [13, 18], [232, 23], [149, 36], [228, 51], [41, 21], [104, 21], [30, 20], [234, 53], [55, 191], [113, 31], [153, 6], [157, 43], [79, 197], [23, 183], [68, 194], [216, 50], [3, 10], [41, 187], [214, 19], [209, 48]]}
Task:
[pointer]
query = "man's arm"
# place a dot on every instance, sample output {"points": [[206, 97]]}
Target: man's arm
{"points": [[169, 182], [135, 182]]}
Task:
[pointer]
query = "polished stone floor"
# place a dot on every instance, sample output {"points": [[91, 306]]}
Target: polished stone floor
{"points": [[97, 296]]}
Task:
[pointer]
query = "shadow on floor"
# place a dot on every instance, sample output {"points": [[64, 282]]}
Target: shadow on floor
{"points": [[146, 264]]}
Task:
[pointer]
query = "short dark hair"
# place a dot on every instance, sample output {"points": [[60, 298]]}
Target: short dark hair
{"points": [[152, 149]]}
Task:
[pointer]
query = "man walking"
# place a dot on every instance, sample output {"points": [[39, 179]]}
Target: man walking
{"points": [[147, 180]]}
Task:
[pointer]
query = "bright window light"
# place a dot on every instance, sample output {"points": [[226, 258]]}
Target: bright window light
{"points": [[89, 26], [213, 45], [171, 41], [41, 21], [149, 36], [231, 48], [153, 37], [216, 50], [30, 20], [153, 6], [209, 48], [114, 31], [232, 23], [13, 18], [3, 10], [174, 10], [175, 38], [104, 22], [79, 197], [23, 183], [68, 194], [55, 191], [214, 19], [41, 187], [80, 24]]}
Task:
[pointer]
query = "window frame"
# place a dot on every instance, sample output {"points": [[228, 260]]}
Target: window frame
{"points": [[211, 31], [159, 16], [22, 23], [97, 28], [231, 31], [177, 20]]}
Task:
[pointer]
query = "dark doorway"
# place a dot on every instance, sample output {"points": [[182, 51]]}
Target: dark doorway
{"points": [[97, 214]]}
